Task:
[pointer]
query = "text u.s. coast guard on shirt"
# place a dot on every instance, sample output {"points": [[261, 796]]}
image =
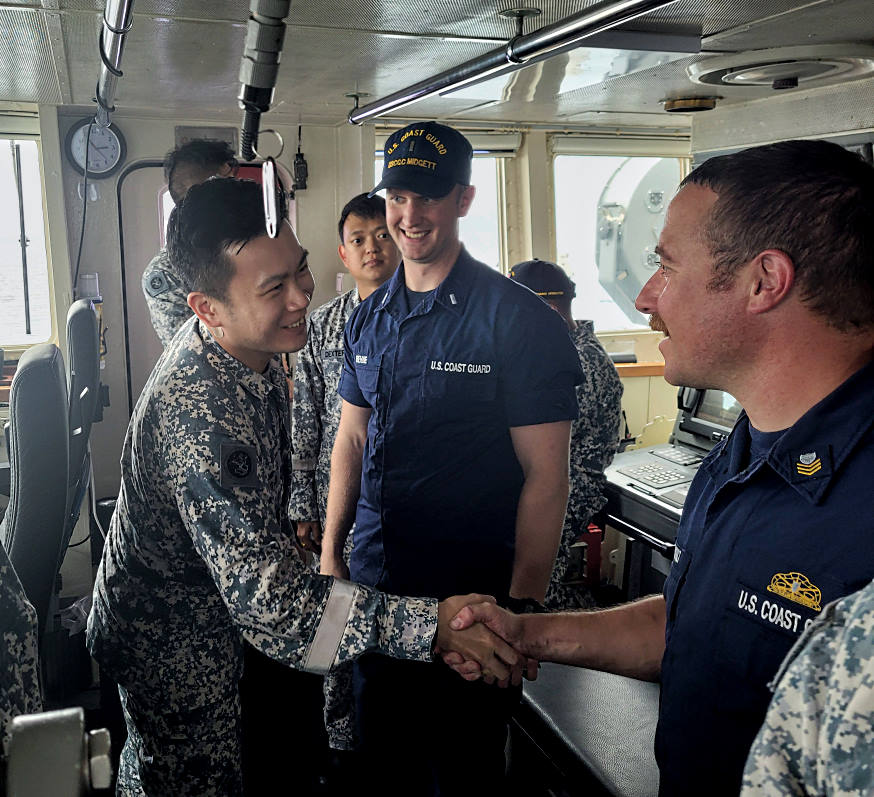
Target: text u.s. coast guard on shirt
{"points": [[460, 368]]}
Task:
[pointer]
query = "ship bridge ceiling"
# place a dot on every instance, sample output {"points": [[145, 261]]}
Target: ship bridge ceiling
{"points": [[181, 58]]}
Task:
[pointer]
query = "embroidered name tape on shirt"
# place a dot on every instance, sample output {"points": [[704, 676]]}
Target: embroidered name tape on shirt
{"points": [[770, 611], [792, 586], [329, 354], [461, 368], [361, 359]]}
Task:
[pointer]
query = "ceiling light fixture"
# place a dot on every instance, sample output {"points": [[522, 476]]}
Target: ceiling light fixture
{"points": [[518, 52]]}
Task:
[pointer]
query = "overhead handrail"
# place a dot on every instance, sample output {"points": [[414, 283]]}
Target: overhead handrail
{"points": [[117, 21], [520, 51]]}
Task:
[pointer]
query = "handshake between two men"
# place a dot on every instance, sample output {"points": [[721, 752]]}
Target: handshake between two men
{"points": [[478, 639]]}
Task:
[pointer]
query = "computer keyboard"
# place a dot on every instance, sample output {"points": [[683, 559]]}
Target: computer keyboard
{"points": [[679, 456], [656, 475]]}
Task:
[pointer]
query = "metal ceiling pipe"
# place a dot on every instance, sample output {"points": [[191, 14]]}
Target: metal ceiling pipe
{"points": [[265, 34], [520, 51], [117, 21]]}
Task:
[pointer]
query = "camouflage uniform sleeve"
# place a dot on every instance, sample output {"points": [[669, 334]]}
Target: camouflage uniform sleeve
{"points": [[290, 613], [306, 428], [19, 662], [596, 433], [816, 738], [166, 298]]}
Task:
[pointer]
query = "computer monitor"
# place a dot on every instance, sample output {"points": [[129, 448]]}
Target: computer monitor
{"points": [[706, 416]]}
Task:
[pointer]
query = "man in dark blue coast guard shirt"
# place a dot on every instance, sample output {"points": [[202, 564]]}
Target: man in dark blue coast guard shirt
{"points": [[458, 390], [766, 290]]}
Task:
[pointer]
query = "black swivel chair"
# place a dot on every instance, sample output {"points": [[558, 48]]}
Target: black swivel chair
{"points": [[37, 437], [83, 384]]}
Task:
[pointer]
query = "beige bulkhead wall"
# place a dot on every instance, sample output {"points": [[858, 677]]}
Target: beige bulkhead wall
{"points": [[337, 158], [340, 163]]}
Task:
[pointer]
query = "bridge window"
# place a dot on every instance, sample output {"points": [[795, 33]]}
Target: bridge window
{"points": [[609, 211], [25, 300]]}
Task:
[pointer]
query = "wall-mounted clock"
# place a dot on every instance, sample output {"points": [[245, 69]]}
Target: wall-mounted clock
{"points": [[106, 149]]}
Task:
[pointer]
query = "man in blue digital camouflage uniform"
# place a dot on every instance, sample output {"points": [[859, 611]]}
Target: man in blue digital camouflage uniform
{"points": [[818, 734], [458, 392], [766, 291], [594, 435], [200, 553], [163, 286]]}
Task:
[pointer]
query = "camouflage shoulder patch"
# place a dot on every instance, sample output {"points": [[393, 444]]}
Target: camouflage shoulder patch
{"points": [[238, 465], [157, 284]]}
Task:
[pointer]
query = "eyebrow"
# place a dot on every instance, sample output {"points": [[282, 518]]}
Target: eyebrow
{"points": [[282, 275], [361, 232]]}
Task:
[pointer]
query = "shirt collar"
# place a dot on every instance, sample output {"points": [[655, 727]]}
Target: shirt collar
{"points": [[230, 371], [452, 293], [813, 449]]}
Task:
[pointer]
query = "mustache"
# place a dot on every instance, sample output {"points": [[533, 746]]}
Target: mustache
{"points": [[657, 324]]}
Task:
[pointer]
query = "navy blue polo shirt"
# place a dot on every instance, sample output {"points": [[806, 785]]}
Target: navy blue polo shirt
{"points": [[763, 546], [446, 380]]}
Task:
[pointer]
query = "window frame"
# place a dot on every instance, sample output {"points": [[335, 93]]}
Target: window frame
{"points": [[23, 124], [585, 145]]}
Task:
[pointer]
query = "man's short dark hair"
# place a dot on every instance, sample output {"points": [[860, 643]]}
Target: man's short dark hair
{"points": [[216, 216], [813, 200], [366, 207], [205, 155]]}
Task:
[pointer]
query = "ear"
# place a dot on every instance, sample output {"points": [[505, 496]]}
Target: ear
{"points": [[341, 250], [207, 309], [771, 279], [465, 200]]}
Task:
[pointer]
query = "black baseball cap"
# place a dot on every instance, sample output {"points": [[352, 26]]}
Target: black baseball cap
{"points": [[544, 278], [427, 158]]}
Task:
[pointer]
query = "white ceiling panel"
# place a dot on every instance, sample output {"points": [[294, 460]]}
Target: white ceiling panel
{"points": [[182, 57]]}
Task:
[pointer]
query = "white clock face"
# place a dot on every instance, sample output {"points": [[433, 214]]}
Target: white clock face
{"points": [[104, 149]]}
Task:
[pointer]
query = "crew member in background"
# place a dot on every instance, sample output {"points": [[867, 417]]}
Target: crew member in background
{"points": [[200, 553], [766, 291], [371, 257], [164, 288], [451, 458], [594, 435]]}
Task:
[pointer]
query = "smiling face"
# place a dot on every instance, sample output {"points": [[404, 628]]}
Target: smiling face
{"points": [[267, 299], [426, 229], [704, 328], [368, 251]]}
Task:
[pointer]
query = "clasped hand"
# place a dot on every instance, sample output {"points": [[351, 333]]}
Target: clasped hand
{"points": [[477, 639]]}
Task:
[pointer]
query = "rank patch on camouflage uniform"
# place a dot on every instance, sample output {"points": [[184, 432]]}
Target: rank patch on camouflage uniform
{"points": [[238, 465], [157, 284]]}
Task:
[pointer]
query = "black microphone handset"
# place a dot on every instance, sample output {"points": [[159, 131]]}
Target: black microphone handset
{"points": [[265, 34]]}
